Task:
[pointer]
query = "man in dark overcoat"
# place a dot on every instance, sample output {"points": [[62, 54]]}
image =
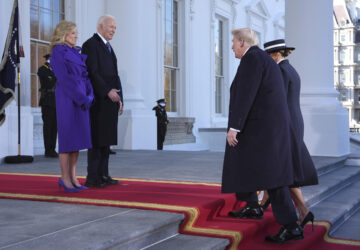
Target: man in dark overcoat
{"points": [[103, 73], [258, 153], [48, 106]]}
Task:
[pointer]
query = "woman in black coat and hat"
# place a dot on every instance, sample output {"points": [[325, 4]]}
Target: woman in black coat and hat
{"points": [[307, 174]]}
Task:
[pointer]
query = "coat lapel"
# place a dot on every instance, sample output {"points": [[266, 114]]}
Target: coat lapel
{"points": [[102, 44]]}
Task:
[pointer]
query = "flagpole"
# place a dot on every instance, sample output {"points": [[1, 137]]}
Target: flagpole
{"points": [[18, 158], [19, 113]]}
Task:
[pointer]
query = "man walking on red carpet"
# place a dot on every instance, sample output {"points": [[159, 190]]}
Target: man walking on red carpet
{"points": [[258, 154]]}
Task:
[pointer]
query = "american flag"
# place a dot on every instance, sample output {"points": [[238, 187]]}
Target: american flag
{"points": [[10, 60]]}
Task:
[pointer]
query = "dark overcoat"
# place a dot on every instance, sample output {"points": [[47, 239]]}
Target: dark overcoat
{"points": [[73, 91], [103, 72], [292, 88], [262, 159]]}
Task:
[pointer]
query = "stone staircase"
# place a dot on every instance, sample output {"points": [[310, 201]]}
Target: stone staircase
{"points": [[336, 199], [111, 228]]}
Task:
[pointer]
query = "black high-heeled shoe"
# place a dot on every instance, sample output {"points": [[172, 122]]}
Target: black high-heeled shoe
{"points": [[309, 217]]}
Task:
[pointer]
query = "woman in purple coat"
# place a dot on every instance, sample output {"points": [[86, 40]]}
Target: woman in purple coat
{"points": [[74, 96]]}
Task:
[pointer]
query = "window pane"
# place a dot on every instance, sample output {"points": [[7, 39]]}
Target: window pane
{"points": [[46, 4], [56, 20], [218, 95], [43, 20], [173, 80], [33, 57], [170, 89], [45, 24], [170, 53], [173, 101], [56, 5], [34, 91], [62, 7], [167, 79], [34, 22], [42, 50]]}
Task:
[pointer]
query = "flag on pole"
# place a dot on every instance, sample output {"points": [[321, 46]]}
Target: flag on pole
{"points": [[10, 60]]}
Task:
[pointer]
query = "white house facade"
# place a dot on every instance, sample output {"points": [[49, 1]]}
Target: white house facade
{"points": [[181, 50], [347, 56]]}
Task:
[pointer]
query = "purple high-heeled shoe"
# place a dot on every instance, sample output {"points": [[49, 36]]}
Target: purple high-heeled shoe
{"points": [[67, 189], [81, 187]]}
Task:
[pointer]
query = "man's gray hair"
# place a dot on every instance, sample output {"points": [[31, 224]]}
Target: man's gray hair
{"points": [[246, 34], [102, 20]]}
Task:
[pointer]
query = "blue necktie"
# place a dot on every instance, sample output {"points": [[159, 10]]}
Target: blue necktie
{"points": [[108, 46]]}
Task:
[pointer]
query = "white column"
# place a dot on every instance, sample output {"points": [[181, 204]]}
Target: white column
{"points": [[309, 27], [135, 44]]}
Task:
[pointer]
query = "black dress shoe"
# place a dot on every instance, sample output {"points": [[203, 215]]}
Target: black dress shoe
{"points": [[285, 235], [112, 152], [95, 184], [51, 154], [109, 181], [248, 212]]}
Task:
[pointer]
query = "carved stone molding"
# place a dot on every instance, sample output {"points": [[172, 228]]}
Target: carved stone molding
{"points": [[192, 11], [233, 11]]}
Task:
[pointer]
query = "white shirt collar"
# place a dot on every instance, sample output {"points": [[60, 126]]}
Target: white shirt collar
{"points": [[102, 38], [246, 51], [280, 61]]}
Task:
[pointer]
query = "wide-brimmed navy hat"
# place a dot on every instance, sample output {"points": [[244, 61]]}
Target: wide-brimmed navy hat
{"points": [[276, 45]]}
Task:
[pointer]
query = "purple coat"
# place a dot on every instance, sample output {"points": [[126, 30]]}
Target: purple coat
{"points": [[73, 94]]}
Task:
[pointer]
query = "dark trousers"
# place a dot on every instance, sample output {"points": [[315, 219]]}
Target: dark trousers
{"points": [[98, 163], [281, 203], [161, 132], [48, 115]]}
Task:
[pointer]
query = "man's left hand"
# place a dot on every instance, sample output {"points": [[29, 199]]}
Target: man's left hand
{"points": [[120, 108], [231, 138]]}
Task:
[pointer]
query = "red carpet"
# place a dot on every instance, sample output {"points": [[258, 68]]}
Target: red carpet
{"points": [[204, 206]]}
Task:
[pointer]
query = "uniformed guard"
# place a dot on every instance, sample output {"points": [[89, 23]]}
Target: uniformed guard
{"points": [[162, 122], [48, 107]]}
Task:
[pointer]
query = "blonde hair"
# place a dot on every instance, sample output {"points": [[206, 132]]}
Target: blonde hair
{"points": [[61, 30], [246, 34]]}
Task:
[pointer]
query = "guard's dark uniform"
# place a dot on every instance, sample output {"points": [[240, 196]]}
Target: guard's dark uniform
{"points": [[48, 107], [162, 122]]}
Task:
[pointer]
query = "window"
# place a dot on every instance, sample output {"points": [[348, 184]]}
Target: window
{"points": [[343, 37], [44, 16], [343, 96], [171, 60], [219, 65], [358, 78], [342, 77], [358, 96], [342, 56]]}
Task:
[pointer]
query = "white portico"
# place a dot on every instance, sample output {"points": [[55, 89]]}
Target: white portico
{"points": [[196, 76], [326, 121]]}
